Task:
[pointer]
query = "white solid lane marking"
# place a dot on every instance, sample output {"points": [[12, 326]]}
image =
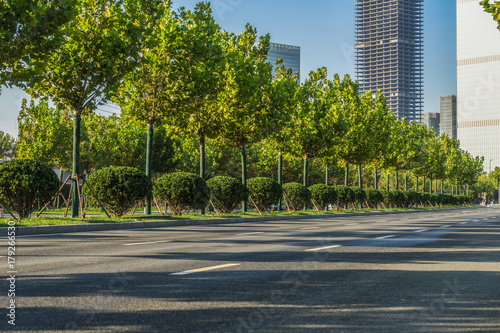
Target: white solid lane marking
{"points": [[384, 237], [310, 228], [446, 226], [145, 243], [250, 233], [205, 269], [463, 223], [322, 248], [423, 230]]}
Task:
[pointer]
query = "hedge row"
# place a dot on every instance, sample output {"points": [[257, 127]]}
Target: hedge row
{"points": [[25, 183], [185, 191]]}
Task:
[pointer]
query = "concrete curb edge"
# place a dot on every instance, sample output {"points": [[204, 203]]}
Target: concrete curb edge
{"points": [[88, 227]]}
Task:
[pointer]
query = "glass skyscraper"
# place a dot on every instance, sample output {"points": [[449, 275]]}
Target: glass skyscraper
{"points": [[448, 110], [478, 81], [389, 53], [289, 53]]}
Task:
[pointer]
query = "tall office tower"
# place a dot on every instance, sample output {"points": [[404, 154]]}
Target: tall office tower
{"points": [[432, 120], [389, 53], [448, 110], [289, 53], [478, 84]]}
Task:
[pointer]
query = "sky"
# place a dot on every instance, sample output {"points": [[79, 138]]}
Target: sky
{"points": [[324, 30]]}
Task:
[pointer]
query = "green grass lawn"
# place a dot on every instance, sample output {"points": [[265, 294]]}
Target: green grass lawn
{"points": [[44, 219]]}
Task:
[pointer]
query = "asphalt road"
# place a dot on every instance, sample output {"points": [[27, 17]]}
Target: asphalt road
{"points": [[433, 271]]}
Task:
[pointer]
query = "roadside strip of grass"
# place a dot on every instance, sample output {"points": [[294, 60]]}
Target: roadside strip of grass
{"points": [[44, 220]]}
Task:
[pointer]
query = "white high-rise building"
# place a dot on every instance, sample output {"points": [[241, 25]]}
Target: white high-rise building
{"points": [[478, 82]]}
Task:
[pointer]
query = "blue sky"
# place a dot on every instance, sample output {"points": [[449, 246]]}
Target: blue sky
{"points": [[325, 32]]}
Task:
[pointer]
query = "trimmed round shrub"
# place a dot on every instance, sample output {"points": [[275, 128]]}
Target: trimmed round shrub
{"points": [[393, 198], [264, 192], [443, 199], [296, 196], [345, 195], [373, 197], [118, 188], [462, 200], [435, 199], [425, 198], [183, 190], [226, 193], [322, 195], [412, 198], [359, 195], [26, 183]]}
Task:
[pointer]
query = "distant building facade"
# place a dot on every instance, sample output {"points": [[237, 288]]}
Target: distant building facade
{"points": [[432, 120], [478, 83], [389, 53], [448, 111], [289, 53]]}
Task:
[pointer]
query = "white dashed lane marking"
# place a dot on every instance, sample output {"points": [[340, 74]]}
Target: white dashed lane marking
{"points": [[250, 233], [205, 269], [385, 237], [322, 248], [146, 243]]}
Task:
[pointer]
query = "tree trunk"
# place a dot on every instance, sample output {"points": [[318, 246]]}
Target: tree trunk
{"points": [[424, 185], [397, 180], [406, 182], [327, 176], [346, 181], [375, 178], [75, 203], [244, 174], [58, 203], [388, 181], [202, 163], [280, 175], [360, 176], [416, 184], [149, 163], [306, 164]]}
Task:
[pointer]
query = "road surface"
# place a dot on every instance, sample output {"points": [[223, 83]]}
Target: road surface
{"points": [[430, 271]]}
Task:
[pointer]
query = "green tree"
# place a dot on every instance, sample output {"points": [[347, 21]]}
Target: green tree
{"points": [[43, 134], [7, 143], [355, 145], [316, 119], [245, 102], [29, 29], [493, 9], [206, 63], [409, 148], [155, 89], [97, 48], [105, 141], [381, 122], [284, 90]]}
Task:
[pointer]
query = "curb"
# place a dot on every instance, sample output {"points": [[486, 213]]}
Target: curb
{"points": [[73, 228]]}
